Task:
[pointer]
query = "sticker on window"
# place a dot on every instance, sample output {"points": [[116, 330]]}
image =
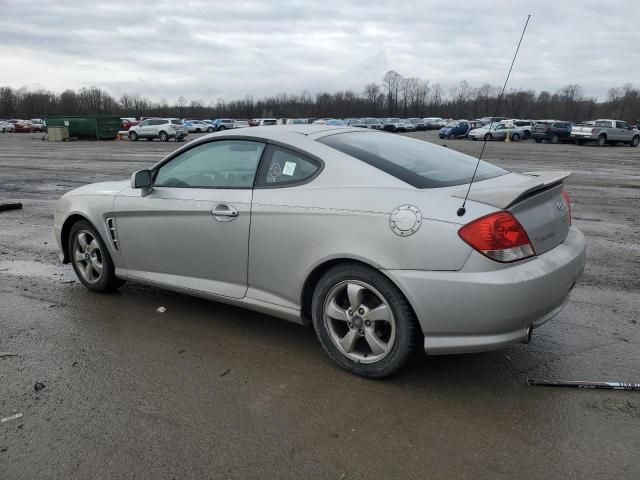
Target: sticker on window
{"points": [[289, 168]]}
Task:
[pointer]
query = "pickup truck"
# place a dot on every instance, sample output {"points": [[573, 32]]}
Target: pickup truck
{"points": [[606, 132]]}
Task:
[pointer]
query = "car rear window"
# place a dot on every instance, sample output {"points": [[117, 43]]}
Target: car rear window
{"points": [[416, 162]]}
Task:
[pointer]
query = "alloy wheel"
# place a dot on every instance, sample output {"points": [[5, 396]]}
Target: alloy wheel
{"points": [[359, 321], [88, 257]]}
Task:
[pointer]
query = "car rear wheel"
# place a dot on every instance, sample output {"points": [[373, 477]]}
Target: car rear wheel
{"points": [[222, 127], [133, 136], [488, 136], [91, 259], [602, 140], [635, 141], [554, 139], [515, 137], [164, 137], [364, 323]]}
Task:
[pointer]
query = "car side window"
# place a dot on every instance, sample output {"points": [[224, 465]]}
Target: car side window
{"points": [[624, 125], [285, 167], [221, 164], [144, 124]]}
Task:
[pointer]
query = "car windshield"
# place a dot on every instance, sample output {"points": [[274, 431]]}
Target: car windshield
{"points": [[394, 120], [419, 163], [371, 121], [269, 122], [176, 122], [452, 124]]}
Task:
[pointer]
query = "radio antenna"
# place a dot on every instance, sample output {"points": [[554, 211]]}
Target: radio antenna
{"points": [[461, 211]]}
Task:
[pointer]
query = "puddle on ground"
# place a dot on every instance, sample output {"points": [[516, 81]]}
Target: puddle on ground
{"points": [[24, 268]]}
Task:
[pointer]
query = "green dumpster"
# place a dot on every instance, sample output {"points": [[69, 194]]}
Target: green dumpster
{"points": [[99, 127]]}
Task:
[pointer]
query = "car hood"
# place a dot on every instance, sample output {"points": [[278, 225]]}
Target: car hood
{"points": [[101, 188]]}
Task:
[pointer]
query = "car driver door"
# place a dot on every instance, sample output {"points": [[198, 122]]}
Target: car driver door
{"points": [[191, 228]]}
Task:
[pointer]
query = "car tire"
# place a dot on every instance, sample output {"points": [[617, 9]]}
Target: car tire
{"points": [[555, 139], [602, 140], [198, 130], [221, 127], [163, 136], [133, 136], [538, 140], [88, 253], [210, 130], [515, 137], [635, 141], [452, 136], [488, 137], [394, 334]]}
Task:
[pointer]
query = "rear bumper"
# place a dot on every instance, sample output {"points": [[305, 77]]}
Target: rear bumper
{"points": [[486, 305]]}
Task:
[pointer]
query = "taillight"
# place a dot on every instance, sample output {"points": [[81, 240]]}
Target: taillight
{"points": [[567, 200], [594, 130], [498, 236]]}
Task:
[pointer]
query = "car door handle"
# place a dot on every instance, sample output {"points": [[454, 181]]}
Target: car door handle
{"points": [[224, 212]]}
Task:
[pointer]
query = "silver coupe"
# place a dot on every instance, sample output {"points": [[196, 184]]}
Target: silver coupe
{"points": [[351, 230]]}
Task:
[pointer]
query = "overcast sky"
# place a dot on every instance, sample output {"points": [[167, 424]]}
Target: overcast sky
{"points": [[229, 48]]}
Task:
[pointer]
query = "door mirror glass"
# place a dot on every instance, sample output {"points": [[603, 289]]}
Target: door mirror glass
{"points": [[141, 179]]}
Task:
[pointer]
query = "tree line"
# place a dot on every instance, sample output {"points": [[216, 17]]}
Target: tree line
{"points": [[395, 96]]}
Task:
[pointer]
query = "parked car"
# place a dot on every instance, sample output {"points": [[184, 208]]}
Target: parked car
{"points": [[297, 121], [418, 123], [331, 121], [396, 125], [197, 126], [526, 125], [210, 125], [497, 131], [267, 121], [434, 123], [455, 129], [160, 128], [487, 120], [38, 124], [127, 123], [23, 126], [221, 124], [553, 132], [241, 124], [355, 122], [473, 124], [372, 123], [6, 127], [606, 132], [380, 269]]}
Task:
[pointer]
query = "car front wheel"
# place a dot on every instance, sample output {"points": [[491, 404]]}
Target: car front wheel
{"points": [[364, 323], [488, 137], [91, 259], [133, 136], [164, 137], [635, 141]]}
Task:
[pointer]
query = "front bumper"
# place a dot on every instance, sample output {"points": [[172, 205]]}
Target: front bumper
{"points": [[486, 305]]}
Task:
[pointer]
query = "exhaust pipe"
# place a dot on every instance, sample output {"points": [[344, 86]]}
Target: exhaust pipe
{"points": [[527, 339]]}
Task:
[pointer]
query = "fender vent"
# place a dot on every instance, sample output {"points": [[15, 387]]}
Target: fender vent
{"points": [[113, 233]]}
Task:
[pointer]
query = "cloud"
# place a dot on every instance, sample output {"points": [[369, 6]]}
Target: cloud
{"points": [[206, 50]]}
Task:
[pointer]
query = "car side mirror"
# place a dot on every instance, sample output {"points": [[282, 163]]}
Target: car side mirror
{"points": [[142, 179]]}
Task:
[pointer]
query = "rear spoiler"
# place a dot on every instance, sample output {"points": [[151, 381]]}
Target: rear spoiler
{"points": [[504, 191]]}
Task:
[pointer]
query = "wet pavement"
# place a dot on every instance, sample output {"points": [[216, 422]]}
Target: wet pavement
{"points": [[207, 390]]}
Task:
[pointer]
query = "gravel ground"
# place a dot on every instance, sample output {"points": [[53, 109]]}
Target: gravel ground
{"points": [[211, 391]]}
